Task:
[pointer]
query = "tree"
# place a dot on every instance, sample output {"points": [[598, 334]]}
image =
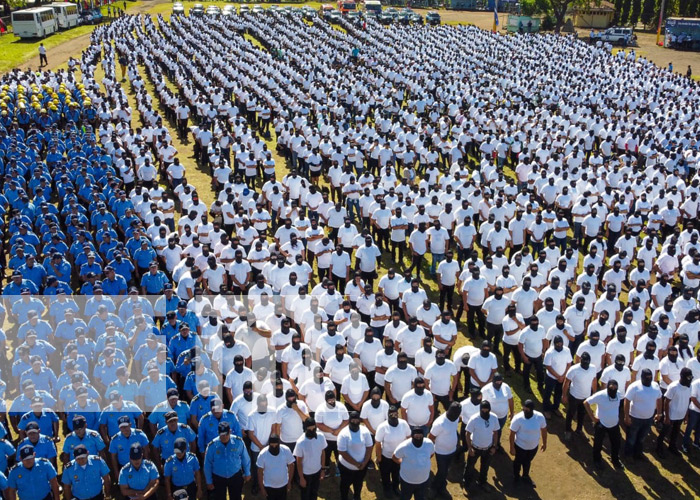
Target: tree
{"points": [[625, 14], [636, 9], [618, 11], [648, 12], [559, 8]]}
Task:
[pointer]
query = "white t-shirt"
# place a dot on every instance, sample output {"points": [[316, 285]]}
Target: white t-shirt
{"points": [[440, 377], [354, 444], [482, 366], [374, 416], [331, 417], [581, 381], [679, 397], [310, 450], [446, 435], [499, 398], [354, 389], [415, 462], [391, 437], [482, 430], [642, 399], [528, 430], [400, 380], [607, 409], [417, 407], [276, 472]]}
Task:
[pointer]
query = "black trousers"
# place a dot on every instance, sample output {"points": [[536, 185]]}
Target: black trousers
{"points": [[348, 478], [310, 491], [613, 434], [233, 484], [416, 262], [330, 449], [509, 349], [276, 493], [539, 371], [674, 429], [494, 334], [475, 312], [389, 471], [523, 460], [484, 456], [575, 408], [446, 296], [410, 490]]}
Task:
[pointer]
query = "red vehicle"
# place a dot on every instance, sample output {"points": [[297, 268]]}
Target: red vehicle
{"points": [[344, 6]]}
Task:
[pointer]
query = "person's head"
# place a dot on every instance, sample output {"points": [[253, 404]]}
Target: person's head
{"points": [[485, 410], [528, 408], [417, 436]]}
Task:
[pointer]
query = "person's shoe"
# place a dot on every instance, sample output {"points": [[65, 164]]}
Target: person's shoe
{"points": [[684, 449], [388, 493], [528, 480]]}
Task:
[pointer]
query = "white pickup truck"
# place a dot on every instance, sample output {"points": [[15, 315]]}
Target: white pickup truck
{"points": [[622, 36]]}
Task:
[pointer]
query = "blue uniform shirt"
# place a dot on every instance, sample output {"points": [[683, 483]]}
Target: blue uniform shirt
{"points": [[6, 451], [86, 482], [138, 479], [208, 428], [157, 416], [91, 440], [34, 483], [91, 411], [200, 406], [181, 472], [128, 392], [121, 444], [45, 421], [44, 448], [165, 438], [110, 415], [226, 460]]}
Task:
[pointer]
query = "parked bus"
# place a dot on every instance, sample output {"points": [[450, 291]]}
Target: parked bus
{"points": [[373, 6], [345, 6], [66, 14], [34, 23]]}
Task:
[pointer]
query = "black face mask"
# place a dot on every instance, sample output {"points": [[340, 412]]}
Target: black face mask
{"points": [[402, 364], [440, 360], [375, 403], [238, 368], [369, 339], [417, 442], [274, 450], [420, 390], [594, 342], [646, 381], [672, 357], [485, 353], [649, 353], [559, 347], [612, 393], [248, 396], [528, 412], [485, 414], [686, 381], [393, 421], [310, 434], [354, 426], [290, 402], [585, 363], [279, 393]]}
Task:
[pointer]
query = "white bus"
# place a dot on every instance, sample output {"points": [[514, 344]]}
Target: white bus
{"points": [[34, 23], [66, 13]]}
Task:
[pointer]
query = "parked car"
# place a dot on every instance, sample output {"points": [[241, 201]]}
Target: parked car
{"points": [[416, 18], [623, 36], [354, 16], [432, 18], [308, 13], [197, 10], [258, 9], [228, 10], [244, 9], [91, 16], [178, 9], [213, 11], [385, 17]]}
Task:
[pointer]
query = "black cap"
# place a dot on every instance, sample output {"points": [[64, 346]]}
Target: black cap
{"points": [[180, 495], [124, 420], [224, 428], [79, 422], [26, 451], [172, 392], [180, 444], [80, 451], [31, 426], [136, 451]]}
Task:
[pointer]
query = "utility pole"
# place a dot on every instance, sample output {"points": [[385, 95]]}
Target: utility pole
{"points": [[661, 20]]}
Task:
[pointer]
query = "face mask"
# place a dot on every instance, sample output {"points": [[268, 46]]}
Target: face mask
{"points": [[354, 426], [279, 393], [238, 368], [612, 393], [484, 414], [393, 421], [420, 390], [594, 342], [440, 360], [527, 412], [290, 402], [310, 434], [686, 381], [402, 364], [649, 353], [485, 353], [248, 395], [534, 327], [585, 363], [646, 381], [274, 450], [375, 403], [672, 357], [417, 442], [559, 347]]}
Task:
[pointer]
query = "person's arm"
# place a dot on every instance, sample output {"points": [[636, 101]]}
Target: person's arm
{"points": [[590, 411], [628, 419], [565, 391], [543, 433], [300, 468]]}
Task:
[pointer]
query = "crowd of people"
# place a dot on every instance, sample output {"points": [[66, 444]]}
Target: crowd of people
{"points": [[408, 225]]}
